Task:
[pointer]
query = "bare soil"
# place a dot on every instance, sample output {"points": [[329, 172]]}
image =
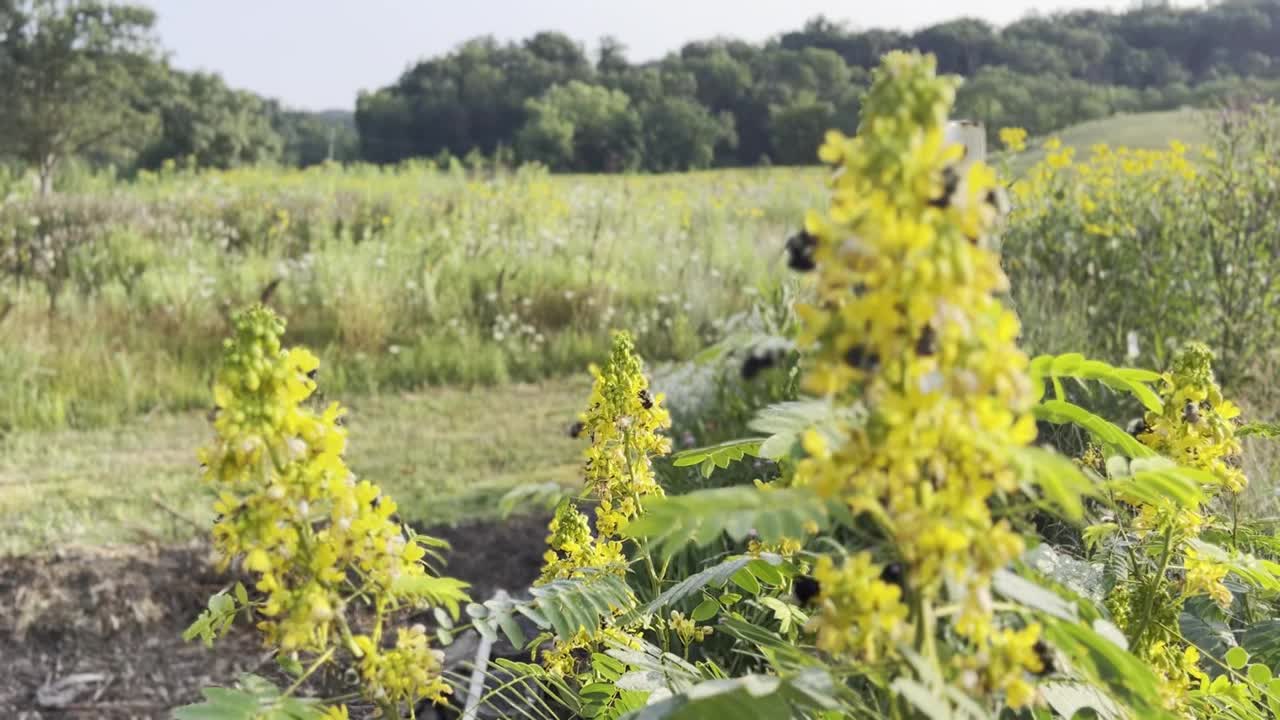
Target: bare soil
{"points": [[97, 632]]}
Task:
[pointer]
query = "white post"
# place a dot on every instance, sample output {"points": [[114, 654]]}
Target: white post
{"points": [[971, 134], [476, 689]]}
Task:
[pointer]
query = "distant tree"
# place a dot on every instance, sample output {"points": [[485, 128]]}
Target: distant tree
{"points": [[681, 134], [71, 75], [311, 138], [204, 121], [582, 127], [796, 129], [611, 57]]}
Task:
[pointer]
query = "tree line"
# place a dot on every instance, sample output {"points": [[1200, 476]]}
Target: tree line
{"points": [[87, 79]]}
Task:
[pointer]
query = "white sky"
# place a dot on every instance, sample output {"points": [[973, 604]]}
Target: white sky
{"points": [[317, 54]]}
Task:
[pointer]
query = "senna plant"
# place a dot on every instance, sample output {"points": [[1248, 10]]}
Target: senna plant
{"points": [[892, 567], [892, 553], [331, 564]]}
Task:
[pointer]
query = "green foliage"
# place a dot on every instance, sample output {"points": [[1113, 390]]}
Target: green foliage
{"points": [[717, 456], [751, 697], [563, 606], [1106, 432], [205, 123], [1076, 366], [215, 620], [1153, 248], [254, 698], [70, 77], [763, 568], [581, 127], [701, 517]]}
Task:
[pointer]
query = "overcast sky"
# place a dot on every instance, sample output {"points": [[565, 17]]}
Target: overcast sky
{"points": [[318, 54]]}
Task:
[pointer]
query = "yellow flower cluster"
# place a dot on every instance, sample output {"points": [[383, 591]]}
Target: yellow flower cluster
{"points": [[1196, 428], [405, 674], [571, 550], [624, 422], [1107, 181], [859, 613], [908, 318], [1014, 139], [687, 629], [1009, 654], [570, 657], [289, 506]]}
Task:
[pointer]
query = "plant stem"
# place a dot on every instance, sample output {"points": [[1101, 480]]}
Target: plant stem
{"points": [[314, 666], [1145, 621]]}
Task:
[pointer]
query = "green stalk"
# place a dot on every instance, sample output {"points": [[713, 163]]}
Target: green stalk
{"points": [[314, 666], [1145, 621]]}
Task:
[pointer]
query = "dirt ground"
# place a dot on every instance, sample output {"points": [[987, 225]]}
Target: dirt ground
{"points": [[97, 633]]}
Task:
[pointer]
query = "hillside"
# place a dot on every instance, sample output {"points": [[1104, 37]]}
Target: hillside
{"points": [[1152, 130]]}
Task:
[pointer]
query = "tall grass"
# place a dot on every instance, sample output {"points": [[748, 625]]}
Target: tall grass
{"points": [[114, 299]]}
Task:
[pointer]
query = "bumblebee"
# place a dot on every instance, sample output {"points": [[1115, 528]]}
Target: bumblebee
{"points": [[1191, 413], [1045, 654], [800, 248], [950, 181], [806, 588], [927, 343], [758, 362], [862, 359], [894, 574]]}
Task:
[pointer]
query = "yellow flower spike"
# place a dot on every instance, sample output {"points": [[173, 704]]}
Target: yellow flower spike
{"points": [[909, 321], [625, 422], [1014, 139], [277, 468]]}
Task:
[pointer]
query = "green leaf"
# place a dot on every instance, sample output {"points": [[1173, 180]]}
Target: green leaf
{"points": [[438, 591], [1237, 657], [1259, 429], [714, 576], [290, 665], [717, 456], [703, 516], [214, 621], [785, 422], [1108, 666], [1262, 641], [1061, 412], [1069, 698], [766, 570], [706, 610], [253, 698], [751, 697], [1163, 481], [923, 699], [532, 495], [1076, 366], [1208, 633], [1032, 596], [1063, 484], [580, 603], [745, 580]]}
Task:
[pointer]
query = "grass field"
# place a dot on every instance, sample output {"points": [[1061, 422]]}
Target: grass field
{"points": [[1147, 131], [443, 454], [414, 325]]}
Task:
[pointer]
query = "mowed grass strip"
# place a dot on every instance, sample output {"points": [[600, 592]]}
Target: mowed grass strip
{"points": [[444, 455]]}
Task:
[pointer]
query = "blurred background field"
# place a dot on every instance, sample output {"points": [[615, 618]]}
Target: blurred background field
{"points": [[434, 298]]}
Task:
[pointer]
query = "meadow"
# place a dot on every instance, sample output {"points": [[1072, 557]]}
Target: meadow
{"points": [[454, 311]]}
